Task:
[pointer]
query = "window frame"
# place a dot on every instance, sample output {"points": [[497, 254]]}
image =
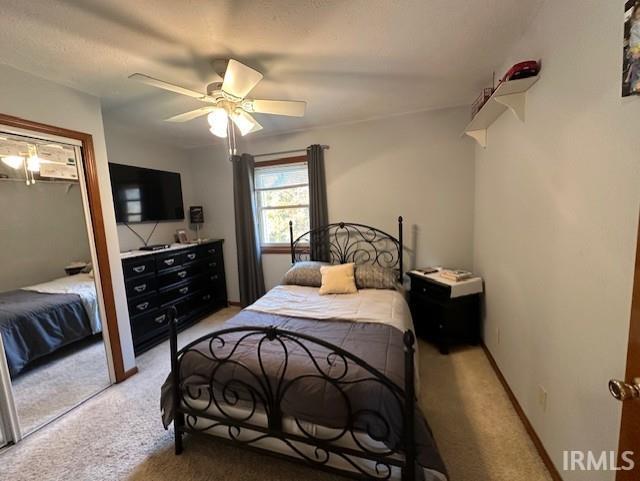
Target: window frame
{"points": [[276, 248]]}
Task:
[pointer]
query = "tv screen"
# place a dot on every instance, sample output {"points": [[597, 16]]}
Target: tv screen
{"points": [[145, 195]]}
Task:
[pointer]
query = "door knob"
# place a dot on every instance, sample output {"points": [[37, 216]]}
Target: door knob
{"points": [[623, 391]]}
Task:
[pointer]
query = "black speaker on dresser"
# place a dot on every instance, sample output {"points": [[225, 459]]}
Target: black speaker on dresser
{"points": [[189, 277]]}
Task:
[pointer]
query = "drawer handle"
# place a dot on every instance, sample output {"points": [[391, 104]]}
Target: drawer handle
{"points": [[160, 319], [214, 278], [191, 256], [169, 262], [139, 269], [213, 264], [211, 251], [142, 306], [424, 289], [182, 274], [140, 288], [207, 297], [184, 290]]}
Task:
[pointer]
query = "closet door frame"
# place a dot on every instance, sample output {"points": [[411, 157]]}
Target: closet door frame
{"points": [[97, 223]]}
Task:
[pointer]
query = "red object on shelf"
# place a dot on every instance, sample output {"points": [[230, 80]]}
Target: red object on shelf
{"points": [[530, 68]]}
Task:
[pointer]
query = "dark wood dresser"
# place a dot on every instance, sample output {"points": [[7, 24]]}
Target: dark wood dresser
{"points": [[189, 277]]}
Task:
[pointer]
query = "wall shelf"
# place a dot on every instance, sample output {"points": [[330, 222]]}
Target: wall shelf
{"points": [[510, 95]]}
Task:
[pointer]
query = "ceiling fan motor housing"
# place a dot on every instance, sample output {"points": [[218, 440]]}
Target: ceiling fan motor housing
{"points": [[214, 88]]}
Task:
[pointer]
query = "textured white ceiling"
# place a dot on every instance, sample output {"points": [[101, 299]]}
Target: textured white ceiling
{"points": [[350, 60]]}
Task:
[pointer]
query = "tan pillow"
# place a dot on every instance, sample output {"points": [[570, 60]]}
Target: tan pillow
{"points": [[338, 279]]}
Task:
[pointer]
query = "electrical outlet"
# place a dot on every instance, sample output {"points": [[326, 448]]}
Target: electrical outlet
{"points": [[542, 397]]}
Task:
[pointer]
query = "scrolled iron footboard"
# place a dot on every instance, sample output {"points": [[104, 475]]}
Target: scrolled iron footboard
{"points": [[266, 390]]}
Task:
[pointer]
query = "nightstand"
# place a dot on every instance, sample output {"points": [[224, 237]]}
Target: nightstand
{"points": [[445, 312]]}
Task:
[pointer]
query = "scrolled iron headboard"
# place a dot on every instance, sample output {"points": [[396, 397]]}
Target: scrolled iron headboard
{"points": [[344, 242]]}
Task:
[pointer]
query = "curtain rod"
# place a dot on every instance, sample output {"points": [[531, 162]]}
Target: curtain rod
{"points": [[324, 147]]}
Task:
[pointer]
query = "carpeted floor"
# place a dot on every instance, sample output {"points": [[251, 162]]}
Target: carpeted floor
{"points": [[66, 378], [117, 435]]}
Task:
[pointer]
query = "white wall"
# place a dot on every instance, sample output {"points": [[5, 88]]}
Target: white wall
{"points": [[413, 165], [128, 149], [556, 216], [34, 220], [36, 99]]}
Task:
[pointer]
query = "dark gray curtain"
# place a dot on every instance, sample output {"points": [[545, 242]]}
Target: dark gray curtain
{"points": [[247, 238], [318, 212]]}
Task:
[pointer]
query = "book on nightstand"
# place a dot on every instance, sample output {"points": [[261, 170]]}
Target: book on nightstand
{"points": [[456, 275]]}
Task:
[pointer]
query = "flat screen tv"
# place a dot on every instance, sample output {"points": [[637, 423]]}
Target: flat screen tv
{"points": [[145, 195]]}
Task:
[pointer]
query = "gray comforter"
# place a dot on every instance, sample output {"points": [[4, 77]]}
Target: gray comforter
{"points": [[33, 325], [311, 399]]}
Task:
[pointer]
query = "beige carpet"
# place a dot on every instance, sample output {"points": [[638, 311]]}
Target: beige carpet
{"points": [[118, 434], [66, 378]]}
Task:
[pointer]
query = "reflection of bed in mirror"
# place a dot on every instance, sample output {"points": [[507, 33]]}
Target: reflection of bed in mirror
{"points": [[38, 320]]}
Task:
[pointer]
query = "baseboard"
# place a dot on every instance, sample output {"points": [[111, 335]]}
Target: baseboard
{"points": [[128, 374], [235, 303], [546, 459]]}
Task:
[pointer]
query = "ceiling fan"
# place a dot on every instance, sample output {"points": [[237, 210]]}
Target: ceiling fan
{"points": [[227, 100]]}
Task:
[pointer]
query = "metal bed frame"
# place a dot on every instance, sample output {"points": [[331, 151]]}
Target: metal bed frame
{"points": [[347, 242]]}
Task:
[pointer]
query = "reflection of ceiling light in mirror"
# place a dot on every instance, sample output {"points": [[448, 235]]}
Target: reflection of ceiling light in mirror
{"points": [[33, 164], [13, 161], [218, 120]]}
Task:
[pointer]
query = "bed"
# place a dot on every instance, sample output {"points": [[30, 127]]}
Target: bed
{"points": [[328, 381], [38, 320]]}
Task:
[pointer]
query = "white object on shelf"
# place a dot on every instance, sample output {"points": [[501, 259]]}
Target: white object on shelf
{"points": [[510, 95]]}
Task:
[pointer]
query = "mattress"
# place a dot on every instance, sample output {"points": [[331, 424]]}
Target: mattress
{"points": [[297, 449], [364, 323]]}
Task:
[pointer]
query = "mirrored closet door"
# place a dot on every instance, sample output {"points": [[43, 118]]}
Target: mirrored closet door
{"points": [[50, 302]]}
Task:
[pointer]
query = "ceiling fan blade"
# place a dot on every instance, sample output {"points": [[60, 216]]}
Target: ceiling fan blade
{"points": [[239, 79], [193, 114], [245, 122], [154, 82], [292, 108]]}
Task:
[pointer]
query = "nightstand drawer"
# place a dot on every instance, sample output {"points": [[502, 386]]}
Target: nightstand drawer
{"points": [[430, 289]]}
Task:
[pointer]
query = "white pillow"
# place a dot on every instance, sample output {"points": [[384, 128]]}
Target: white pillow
{"points": [[338, 279]]}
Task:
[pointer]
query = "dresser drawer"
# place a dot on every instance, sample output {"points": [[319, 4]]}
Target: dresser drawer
{"points": [[138, 267], [180, 274], [210, 250], [169, 260], [213, 277], [176, 293], [212, 265], [192, 255], [142, 305], [140, 286], [149, 324]]}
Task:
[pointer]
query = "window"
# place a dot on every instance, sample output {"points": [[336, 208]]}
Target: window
{"points": [[282, 195]]}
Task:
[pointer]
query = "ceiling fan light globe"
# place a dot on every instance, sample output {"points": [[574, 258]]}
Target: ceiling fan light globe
{"points": [[218, 132], [218, 118], [243, 121], [33, 164], [13, 161]]}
